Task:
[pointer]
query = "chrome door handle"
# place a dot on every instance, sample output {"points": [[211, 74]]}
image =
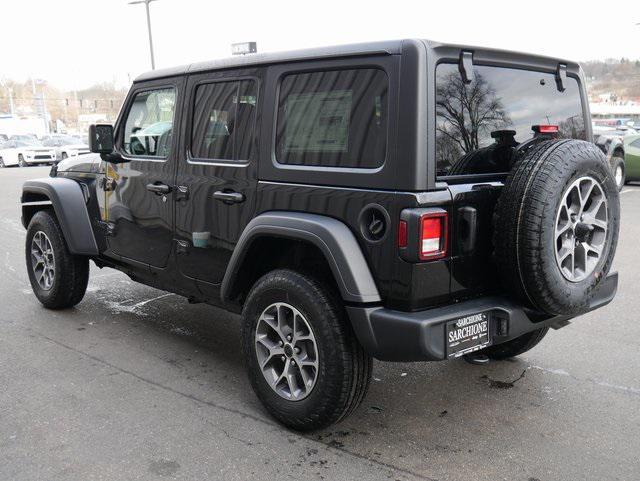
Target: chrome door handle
{"points": [[229, 197]]}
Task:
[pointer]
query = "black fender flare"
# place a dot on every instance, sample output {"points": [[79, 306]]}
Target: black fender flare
{"points": [[332, 237], [70, 206]]}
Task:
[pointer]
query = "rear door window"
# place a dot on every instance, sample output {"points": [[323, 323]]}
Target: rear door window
{"points": [[334, 118], [223, 120], [478, 124]]}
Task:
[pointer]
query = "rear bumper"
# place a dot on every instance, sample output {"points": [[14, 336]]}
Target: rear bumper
{"points": [[421, 336]]}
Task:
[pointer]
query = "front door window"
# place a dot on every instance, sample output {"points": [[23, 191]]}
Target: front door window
{"points": [[149, 126]]}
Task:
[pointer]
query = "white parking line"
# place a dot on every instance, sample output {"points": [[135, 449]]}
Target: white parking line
{"points": [[562, 372]]}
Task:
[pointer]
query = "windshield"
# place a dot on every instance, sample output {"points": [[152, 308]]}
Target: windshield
{"points": [[478, 124]]}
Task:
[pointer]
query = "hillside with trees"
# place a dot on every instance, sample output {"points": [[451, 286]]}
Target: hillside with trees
{"points": [[621, 77]]}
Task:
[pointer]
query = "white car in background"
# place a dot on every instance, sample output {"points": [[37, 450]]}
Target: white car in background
{"points": [[66, 146], [24, 153]]}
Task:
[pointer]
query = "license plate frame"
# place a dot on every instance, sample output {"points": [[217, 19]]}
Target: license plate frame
{"points": [[467, 334]]}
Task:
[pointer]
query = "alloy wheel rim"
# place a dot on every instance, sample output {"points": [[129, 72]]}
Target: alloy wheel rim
{"points": [[287, 351], [618, 176], [581, 229], [43, 260]]}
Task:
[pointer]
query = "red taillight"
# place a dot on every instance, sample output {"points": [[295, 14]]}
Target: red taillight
{"points": [[546, 129], [433, 236], [402, 233]]}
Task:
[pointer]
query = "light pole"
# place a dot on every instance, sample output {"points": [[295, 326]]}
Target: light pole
{"points": [[146, 4]]}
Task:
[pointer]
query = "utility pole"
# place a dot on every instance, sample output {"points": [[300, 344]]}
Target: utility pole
{"points": [[146, 4]]}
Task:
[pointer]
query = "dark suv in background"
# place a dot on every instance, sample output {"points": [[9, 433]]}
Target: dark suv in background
{"points": [[405, 200]]}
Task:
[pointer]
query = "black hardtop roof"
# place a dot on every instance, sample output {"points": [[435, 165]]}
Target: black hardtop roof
{"points": [[370, 48], [389, 47]]}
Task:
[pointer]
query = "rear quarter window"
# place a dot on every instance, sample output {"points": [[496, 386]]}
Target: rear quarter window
{"points": [[335, 118], [478, 124]]}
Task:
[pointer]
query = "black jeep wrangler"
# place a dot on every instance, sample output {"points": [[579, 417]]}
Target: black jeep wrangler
{"points": [[406, 200]]}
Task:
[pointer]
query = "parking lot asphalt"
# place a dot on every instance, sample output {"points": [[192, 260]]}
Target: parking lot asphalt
{"points": [[136, 383]]}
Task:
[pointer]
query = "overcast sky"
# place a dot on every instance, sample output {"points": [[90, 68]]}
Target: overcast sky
{"points": [[75, 43]]}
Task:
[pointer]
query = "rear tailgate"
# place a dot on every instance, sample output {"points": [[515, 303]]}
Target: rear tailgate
{"points": [[478, 125]]}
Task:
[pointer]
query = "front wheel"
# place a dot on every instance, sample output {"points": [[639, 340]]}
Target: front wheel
{"points": [[2, 163], [21, 161], [58, 278], [303, 359]]}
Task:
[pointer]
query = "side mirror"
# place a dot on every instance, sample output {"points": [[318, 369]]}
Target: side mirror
{"points": [[101, 138]]}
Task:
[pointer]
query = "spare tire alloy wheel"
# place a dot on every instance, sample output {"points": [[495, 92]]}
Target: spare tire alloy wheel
{"points": [[556, 226], [581, 228], [287, 351]]}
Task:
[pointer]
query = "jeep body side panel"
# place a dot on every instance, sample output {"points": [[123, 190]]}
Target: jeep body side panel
{"points": [[331, 236], [402, 285], [69, 204]]}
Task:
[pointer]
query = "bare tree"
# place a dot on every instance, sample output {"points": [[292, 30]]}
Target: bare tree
{"points": [[467, 112]]}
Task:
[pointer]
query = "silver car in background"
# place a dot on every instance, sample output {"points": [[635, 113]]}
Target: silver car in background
{"points": [[66, 146]]}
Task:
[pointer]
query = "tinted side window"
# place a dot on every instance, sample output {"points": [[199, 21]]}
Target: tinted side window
{"points": [[223, 120], [479, 124], [149, 127], [333, 119]]}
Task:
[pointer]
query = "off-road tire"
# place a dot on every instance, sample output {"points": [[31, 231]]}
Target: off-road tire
{"points": [[71, 271], [344, 369], [525, 222], [618, 162], [516, 346]]}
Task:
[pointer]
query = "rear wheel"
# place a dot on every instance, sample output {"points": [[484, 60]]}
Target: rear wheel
{"points": [[2, 163], [58, 278], [303, 359]]}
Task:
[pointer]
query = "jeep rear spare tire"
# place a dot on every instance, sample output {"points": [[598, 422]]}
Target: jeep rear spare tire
{"points": [[556, 226]]}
